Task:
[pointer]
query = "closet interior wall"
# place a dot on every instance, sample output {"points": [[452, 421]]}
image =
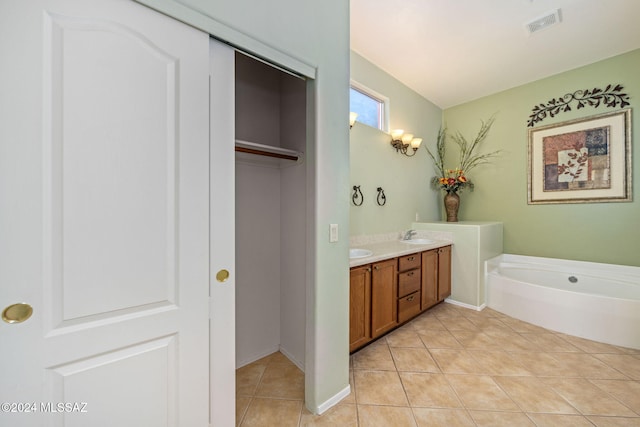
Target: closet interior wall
{"points": [[270, 215]]}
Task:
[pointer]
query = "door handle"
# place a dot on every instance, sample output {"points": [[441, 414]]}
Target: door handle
{"points": [[222, 275], [17, 313]]}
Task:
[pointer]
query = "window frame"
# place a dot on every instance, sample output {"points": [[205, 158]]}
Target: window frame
{"points": [[383, 100]]}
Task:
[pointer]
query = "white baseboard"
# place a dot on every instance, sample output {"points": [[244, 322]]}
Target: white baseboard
{"points": [[257, 356], [293, 360], [332, 401], [254, 357], [465, 305]]}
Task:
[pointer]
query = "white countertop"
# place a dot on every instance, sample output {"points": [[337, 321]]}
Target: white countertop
{"points": [[393, 248]]}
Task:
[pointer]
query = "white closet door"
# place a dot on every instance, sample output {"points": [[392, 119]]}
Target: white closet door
{"points": [[222, 211], [104, 223]]}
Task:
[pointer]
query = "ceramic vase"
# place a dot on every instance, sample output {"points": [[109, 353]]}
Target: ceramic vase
{"points": [[451, 205]]}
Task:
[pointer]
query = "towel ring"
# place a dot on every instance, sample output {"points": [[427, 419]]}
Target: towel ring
{"points": [[381, 199], [357, 197]]}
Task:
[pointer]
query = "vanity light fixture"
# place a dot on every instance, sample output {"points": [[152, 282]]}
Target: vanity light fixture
{"points": [[352, 119], [402, 141]]}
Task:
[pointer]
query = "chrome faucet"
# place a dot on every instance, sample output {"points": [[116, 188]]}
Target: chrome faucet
{"points": [[409, 234]]}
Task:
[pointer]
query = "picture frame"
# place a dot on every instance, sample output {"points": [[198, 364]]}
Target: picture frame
{"points": [[585, 160]]}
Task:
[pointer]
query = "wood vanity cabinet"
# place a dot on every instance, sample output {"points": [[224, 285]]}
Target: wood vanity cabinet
{"points": [[429, 279], [359, 307], [444, 272], [373, 295], [408, 287], [436, 276], [384, 294], [388, 293]]}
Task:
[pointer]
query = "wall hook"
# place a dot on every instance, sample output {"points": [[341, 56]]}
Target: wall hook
{"points": [[382, 199], [357, 197]]}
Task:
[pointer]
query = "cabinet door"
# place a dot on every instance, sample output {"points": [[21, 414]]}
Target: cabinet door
{"points": [[359, 307], [429, 279], [384, 295], [444, 272]]}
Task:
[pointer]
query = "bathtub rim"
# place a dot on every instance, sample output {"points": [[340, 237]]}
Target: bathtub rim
{"points": [[561, 305], [624, 274]]}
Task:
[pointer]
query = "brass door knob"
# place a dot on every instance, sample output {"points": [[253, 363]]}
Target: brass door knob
{"points": [[222, 275], [17, 313]]}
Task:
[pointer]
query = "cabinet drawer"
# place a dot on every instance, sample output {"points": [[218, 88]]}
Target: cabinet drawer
{"points": [[408, 282], [409, 262], [408, 307]]}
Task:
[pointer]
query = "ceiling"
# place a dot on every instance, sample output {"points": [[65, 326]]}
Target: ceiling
{"points": [[455, 51]]}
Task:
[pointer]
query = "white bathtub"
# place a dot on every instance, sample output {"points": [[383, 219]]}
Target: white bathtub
{"points": [[600, 302]]}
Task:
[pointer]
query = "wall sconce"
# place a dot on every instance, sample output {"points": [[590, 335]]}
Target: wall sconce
{"points": [[402, 141], [352, 119]]}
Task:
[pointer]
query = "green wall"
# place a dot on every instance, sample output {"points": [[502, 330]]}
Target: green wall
{"points": [[597, 232], [374, 163]]}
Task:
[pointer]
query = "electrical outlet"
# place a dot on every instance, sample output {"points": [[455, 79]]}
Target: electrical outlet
{"points": [[333, 233]]}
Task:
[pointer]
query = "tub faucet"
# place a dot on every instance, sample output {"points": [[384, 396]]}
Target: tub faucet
{"points": [[409, 234]]}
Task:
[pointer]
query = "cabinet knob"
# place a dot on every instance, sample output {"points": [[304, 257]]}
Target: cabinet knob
{"points": [[369, 270], [377, 267], [411, 298], [411, 258]]}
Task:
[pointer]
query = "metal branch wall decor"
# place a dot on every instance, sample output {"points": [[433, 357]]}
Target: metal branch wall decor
{"points": [[611, 96]]}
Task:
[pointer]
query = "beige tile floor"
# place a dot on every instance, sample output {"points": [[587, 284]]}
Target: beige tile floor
{"points": [[457, 367]]}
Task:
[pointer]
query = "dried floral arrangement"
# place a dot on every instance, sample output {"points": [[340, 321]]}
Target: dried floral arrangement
{"points": [[454, 180]]}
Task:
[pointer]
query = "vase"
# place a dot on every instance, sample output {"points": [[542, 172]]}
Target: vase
{"points": [[451, 205]]}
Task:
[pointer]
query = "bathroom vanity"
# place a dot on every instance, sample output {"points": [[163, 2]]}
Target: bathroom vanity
{"points": [[393, 282]]}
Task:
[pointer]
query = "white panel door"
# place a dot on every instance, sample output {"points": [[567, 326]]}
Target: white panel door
{"points": [[222, 211], [104, 216]]}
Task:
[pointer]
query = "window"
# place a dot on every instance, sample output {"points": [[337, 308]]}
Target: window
{"points": [[372, 108]]}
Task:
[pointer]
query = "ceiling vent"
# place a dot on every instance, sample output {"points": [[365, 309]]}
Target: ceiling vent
{"points": [[552, 18]]}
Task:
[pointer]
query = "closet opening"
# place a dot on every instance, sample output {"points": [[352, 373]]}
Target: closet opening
{"points": [[271, 212]]}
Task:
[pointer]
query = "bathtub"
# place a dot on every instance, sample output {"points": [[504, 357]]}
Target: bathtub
{"points": [[600, 302]]}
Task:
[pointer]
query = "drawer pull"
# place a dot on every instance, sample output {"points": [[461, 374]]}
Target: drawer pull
{"points": [[411, 298], [411, 273], [411, 258]]}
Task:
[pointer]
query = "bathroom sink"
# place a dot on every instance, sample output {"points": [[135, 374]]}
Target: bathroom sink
{"points": [[419, 241], [359, 253]]}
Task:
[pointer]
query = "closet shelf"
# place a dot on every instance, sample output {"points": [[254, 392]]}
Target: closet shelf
{"points": [[267, 150]]}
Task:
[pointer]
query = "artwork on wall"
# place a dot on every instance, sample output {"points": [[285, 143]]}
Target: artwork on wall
{"points": [[581, 161]]}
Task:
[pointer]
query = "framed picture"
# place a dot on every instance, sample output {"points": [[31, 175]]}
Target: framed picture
{"points": [[581, 161]]}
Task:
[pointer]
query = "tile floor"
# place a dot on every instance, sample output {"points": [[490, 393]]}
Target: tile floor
{"points": [[453, 366]]}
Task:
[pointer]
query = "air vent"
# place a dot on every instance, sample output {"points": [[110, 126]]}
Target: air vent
{"points": [[552, 18]]}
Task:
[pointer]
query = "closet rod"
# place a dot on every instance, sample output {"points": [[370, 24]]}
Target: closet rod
{"points": [[266, 150], [266, 153]]}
